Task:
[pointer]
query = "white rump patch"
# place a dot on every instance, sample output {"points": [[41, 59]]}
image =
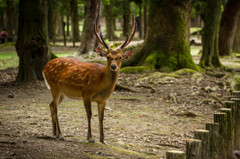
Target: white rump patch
{"points": [[46, 83]]}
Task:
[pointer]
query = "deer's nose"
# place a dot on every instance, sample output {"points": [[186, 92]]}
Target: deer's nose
{"points": [[113, 67]]}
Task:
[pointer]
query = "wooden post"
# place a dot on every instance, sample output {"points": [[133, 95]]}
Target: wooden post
{"points": [[213, 129], [221, 119], [203, 135], [175, 154], [193, 149], [229, 131], [237, 123]]}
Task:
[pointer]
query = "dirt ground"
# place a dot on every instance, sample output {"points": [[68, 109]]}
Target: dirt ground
{"points": [[160, 115]]}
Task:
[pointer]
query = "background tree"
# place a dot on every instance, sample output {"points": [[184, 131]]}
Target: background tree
{"points": [[236, 42], [31, 44], [210, 53], [52, 19], [10, 17], [145, 13], [166, 47], [228, 26], [126, 17], [2, 11], [74, 22], [88, 39], [109, 19]]}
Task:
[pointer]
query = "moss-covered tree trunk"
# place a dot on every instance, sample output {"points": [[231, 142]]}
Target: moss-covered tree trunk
{"points": [[109, 20], [236, 42], [31, 44], [74, 22], [88, 39], [210, 53], [126, 17], [166, 47], [228, 26]]}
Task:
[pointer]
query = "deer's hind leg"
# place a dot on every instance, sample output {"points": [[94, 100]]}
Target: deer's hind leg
{"points": [[57, 98]]}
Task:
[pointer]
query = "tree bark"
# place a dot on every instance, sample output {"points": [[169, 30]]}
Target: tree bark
{"points": [[166, 47], [31, 44], [88, 39], [10, 17], [52, 20], [145, 18], [74, 22], [228, 26], [68, 32], [1, 18], [210, 55], [126, 17], [236, 41], [109, 21], [140, 19]]}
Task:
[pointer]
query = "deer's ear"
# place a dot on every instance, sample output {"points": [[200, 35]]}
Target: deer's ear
{"points": [[101, 52], [127, 54]]}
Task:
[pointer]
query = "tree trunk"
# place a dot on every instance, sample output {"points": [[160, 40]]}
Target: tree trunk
{"points": [[68, 32], [166, 47], [236, 42], [74, 23], [109, 21], [140, 20], [52, 20], [31, 44], [210, 55], [126, 17], [228, 26], [88, 39], [10, 17], [145, 19]]}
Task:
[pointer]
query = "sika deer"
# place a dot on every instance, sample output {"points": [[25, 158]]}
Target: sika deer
{"points": [[91, 82]]}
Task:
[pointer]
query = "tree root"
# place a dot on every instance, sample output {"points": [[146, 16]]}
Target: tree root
{"points": [[125, 88], [148, 87]]}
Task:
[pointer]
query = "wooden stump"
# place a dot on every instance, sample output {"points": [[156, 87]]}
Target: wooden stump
{"points": [[213, 129], [193, 149], [203, 135], [175, 154], [221, 119], [229, 131], [236, 123]]}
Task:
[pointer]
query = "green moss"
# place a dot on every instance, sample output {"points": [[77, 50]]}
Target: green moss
{"points": [[185, 71], [136, 69]]}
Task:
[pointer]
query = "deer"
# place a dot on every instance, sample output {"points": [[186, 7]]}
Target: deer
{"points": [[90, 82]]}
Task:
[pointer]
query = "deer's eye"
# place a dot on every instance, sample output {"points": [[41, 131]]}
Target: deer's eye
{"points": [[120, 58], [108, 57]]}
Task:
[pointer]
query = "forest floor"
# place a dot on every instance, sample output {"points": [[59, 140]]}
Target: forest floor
{"points": [[159, 115]]}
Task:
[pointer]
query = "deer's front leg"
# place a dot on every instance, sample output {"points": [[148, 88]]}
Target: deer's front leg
{"points": [[101, 107], [87, 104]]}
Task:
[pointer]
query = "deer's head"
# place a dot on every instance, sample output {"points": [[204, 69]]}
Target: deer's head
{"points": [[114, 56]]}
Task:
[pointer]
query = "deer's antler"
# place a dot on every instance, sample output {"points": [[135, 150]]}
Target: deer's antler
{"points": [[98, 33], [133, 29]]}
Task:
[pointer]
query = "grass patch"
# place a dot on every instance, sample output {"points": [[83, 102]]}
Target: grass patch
{"points": [[8, 59]]}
